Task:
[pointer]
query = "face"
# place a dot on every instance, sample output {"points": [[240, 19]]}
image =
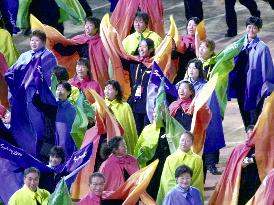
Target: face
{"points": [[143, 49], [96, 185], [204, 52], [90, 29], [184, 180], [81, 71], [191, 28], [31, 180], [110, 92], [54, 161], [252, 31], [192, 71], [61, 93], [36, 43], [122, 149], [185, 142], [184, 91], [139, 25]]}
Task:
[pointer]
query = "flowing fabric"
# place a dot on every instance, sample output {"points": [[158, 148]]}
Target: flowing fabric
{"points": [[7, 47], [3, 85], [123, 23]]}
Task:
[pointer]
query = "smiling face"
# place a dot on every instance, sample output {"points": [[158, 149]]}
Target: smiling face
{"points": [[139, 25], [185, 142], [184, 91], [90, 29], [252, 31], [192, 72], [31, 180], [36, 43], [110, 92], [61, 93], [204, 52], [54, 160], [184, 180], [81, 71], [191, 28], [143, 49], [96, 185]]}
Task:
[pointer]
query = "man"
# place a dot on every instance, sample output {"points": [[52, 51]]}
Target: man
{"points": [[30, 194], [231, 17], [96, 187], [131, 42], [183, 155]]}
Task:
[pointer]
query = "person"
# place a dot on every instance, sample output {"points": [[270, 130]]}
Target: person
{"points": [[231, 16], [88, 45], [49, 180], [252, 78], [122, 111], [119, 165], [194, 8], [184, 51], [30, 193], [183, 155], [96, 188], [132, 42], [240, 175], [214, 140], [181, 109], [83, 78], [183, 192]]}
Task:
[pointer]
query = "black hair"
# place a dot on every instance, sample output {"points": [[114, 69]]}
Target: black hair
{"points": [[116, 85], [190, 134], [198, 65], [85, 62], [61, 73], [31, 170], [112, 146], [256, 21], [150, 45], [142, 15], [195, 19], [95, 21], [58, 151], [95, 174], [40, 34], [65, 85], [182, 170], [190, 86]]}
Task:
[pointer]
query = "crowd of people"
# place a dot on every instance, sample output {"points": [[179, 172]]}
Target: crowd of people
{"points": [[93, 89]]}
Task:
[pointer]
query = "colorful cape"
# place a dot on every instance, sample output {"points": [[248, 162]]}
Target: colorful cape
{"points": [[3, 85], [123, 23]]}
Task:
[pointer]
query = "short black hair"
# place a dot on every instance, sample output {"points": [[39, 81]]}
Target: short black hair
{"points": [[116, 85], [61, 73], [85, 62], [95, 21], [195, 19], [190, 86], [40, 34], [182, 170], [66, 85], [256, 21], [58, 151], [190, 134], [150, 45], [96, 174], [142, 15], [31, 170], [114, 142], [198, 65]]}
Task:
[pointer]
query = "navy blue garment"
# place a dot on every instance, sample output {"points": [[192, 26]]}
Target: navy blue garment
{"points": [[194, 8]]}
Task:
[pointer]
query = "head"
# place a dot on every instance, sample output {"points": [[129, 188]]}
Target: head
{"points": [[249, 131], [96, 183], [56, 156], [253, 26], [61, 73], [37, 40], [195, 69], [146, 48], [113, 91], [183, 175], [31, 178], [186, 90], [63, 91], [191, 25], [186, 141], [92, 26], [141, 21], [206, 49], [83, 68], [118, 146]]}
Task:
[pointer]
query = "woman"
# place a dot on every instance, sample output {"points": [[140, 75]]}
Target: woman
{"points": [[119, 165], [214, 134], [181, 109], [122, 112], [185, 49]]}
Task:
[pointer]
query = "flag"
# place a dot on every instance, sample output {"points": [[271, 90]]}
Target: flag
{"points": [[225, 64], [60, 195], [201, 30]]}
